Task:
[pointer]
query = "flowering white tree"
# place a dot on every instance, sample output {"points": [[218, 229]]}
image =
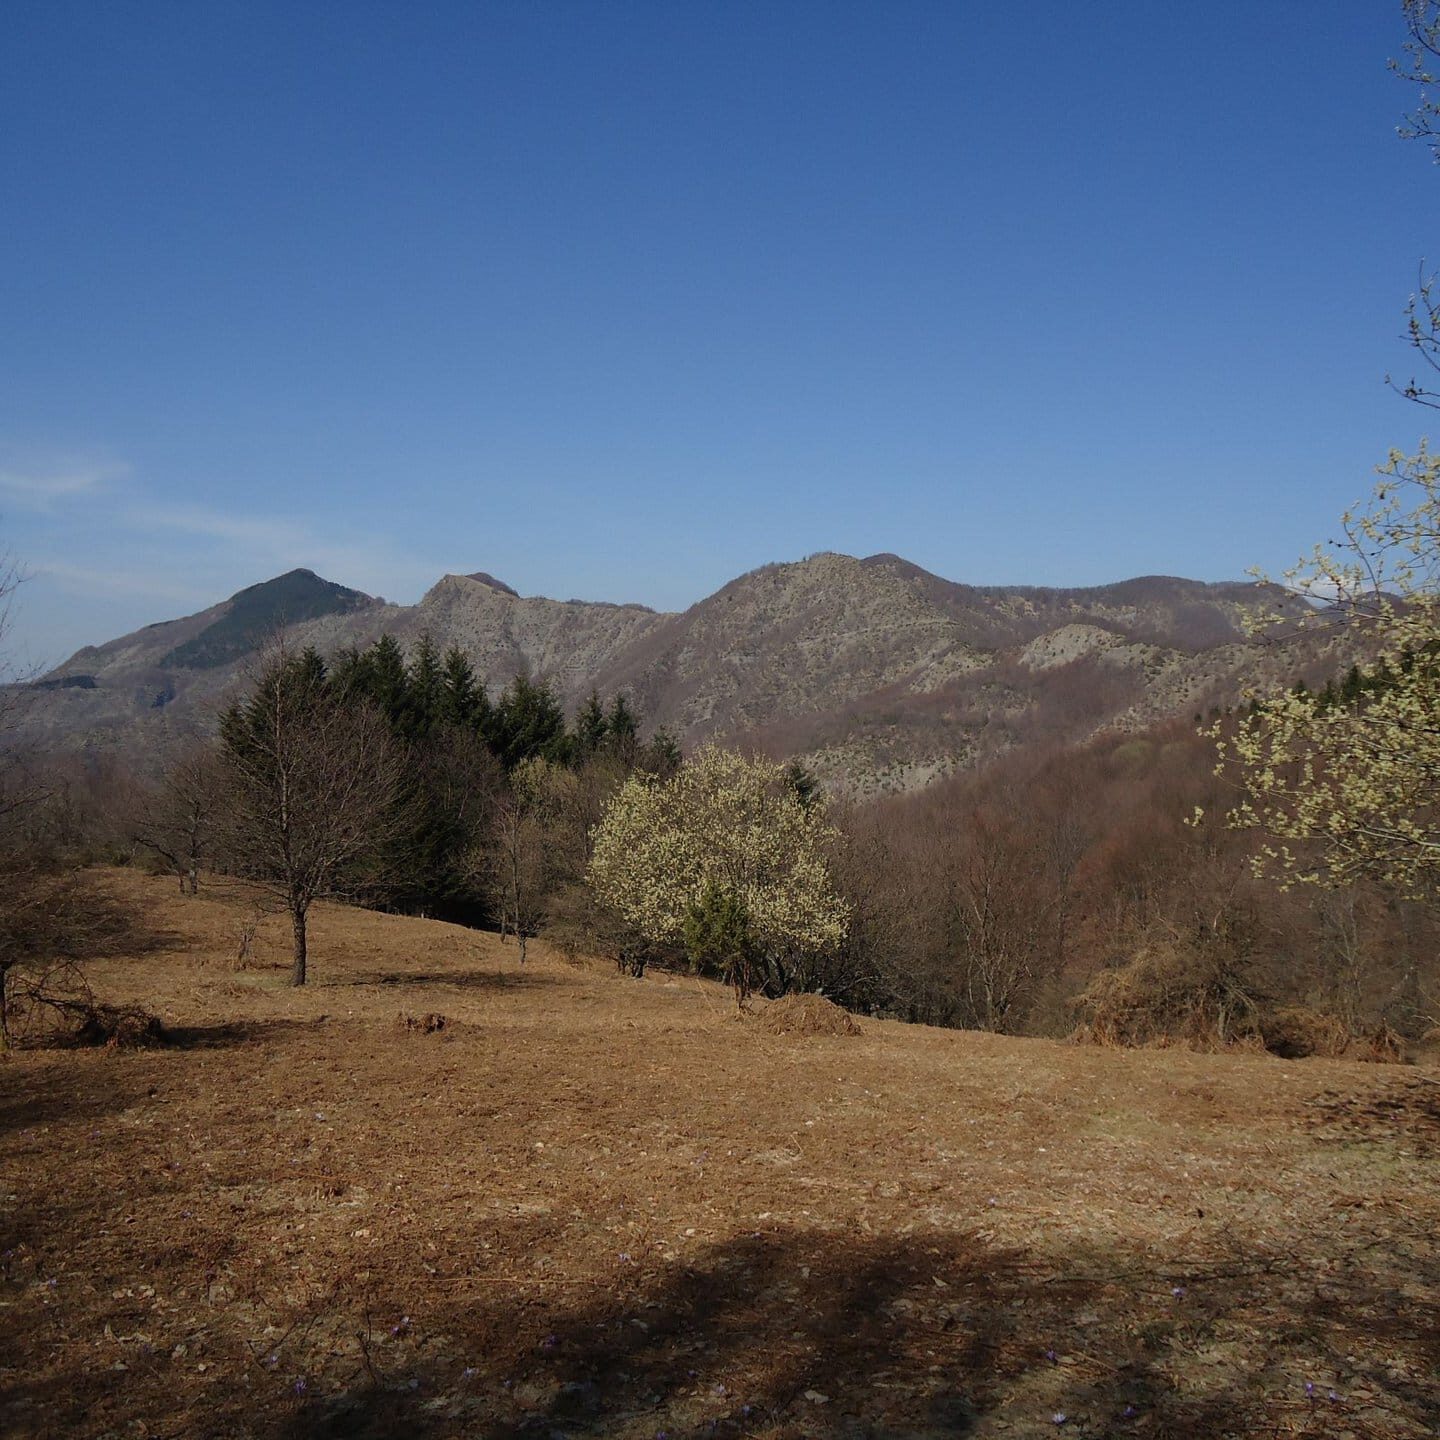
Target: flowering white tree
{"points": [[724, 855], [1347, 789]]}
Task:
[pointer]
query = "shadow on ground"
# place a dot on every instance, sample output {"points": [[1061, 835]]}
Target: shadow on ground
{"points": [[797, 1333], [457, 979], [231, 1033]]}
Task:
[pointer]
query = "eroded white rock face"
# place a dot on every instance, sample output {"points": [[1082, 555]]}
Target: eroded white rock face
{"points": [[1069, 642]]}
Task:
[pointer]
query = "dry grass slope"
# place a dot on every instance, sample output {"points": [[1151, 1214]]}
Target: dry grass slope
{"points": [[587, 1205]]}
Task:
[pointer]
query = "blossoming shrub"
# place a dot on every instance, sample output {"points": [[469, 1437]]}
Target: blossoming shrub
{"points": [[1347, 791], [726, 858]]}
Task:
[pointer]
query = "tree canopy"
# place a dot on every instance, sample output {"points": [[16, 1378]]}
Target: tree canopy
{"points": [[723, 855], [1343, 781]]}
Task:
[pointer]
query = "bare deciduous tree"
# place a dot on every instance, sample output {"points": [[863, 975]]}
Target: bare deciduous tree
{"points": [[176, 821], [518, 861], [19, 790], [312, 791], [1004, 916]]}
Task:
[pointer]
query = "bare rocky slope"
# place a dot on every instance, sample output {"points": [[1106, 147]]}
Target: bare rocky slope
{"points": [[880, 675]]}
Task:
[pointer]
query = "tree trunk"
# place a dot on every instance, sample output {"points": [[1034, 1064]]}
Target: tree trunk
{"points": [[297, 920]]}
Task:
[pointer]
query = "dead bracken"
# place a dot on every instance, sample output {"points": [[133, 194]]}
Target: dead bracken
{"points": [[430, 1024], [806, 1015]]}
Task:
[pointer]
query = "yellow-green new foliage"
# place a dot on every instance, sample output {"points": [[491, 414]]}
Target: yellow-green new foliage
{"points": [[724, 821], [1348, 791]]}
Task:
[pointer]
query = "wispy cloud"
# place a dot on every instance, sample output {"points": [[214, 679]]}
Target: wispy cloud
{"points": [[43, 489], [108, 552], [142, 584], [272, 536]]}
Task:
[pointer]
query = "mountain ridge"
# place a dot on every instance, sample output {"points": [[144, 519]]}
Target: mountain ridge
{"points": [[878, 673]]}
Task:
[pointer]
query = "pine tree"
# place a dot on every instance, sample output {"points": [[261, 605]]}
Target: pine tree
{"points": [[662, 756], [803, 783], [388, 684], [590, 726], [528, 723], [426, 686], [350, 673], [622, 726], [463, 701]]}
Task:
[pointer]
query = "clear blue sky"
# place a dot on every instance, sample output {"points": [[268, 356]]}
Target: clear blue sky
{"points": [[619, 300]]}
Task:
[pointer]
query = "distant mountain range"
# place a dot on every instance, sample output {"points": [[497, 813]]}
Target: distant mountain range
{"points": [[879, 674]]}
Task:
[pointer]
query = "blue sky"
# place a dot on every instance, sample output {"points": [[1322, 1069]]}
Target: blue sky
{"points": [[619, 300]]}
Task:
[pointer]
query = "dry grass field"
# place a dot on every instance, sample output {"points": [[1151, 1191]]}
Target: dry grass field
{"points": [[590, 1205]]}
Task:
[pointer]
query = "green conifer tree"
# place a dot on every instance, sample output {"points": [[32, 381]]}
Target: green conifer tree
{"points": [[803, 783], [350, 673], [388, 684], [622, 727], [528, 723], [590, 726], [426, 686], [463, 701], [662, 756]]}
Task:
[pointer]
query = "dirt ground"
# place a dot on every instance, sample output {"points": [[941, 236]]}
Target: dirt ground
{"points": [[590, 1205]]}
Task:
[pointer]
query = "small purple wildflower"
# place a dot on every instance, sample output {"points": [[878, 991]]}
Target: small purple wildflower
{"points": [[549, 1342], [719, 1389], [1333, 1398], [51, 1283], [469, 1373], [1129, 1413], [1059, 1418], [1051, 1356], [1309, 1387], [301, 1387], [271, 1361], [745, 1409], [625, 1258], [1178, 1292]]}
